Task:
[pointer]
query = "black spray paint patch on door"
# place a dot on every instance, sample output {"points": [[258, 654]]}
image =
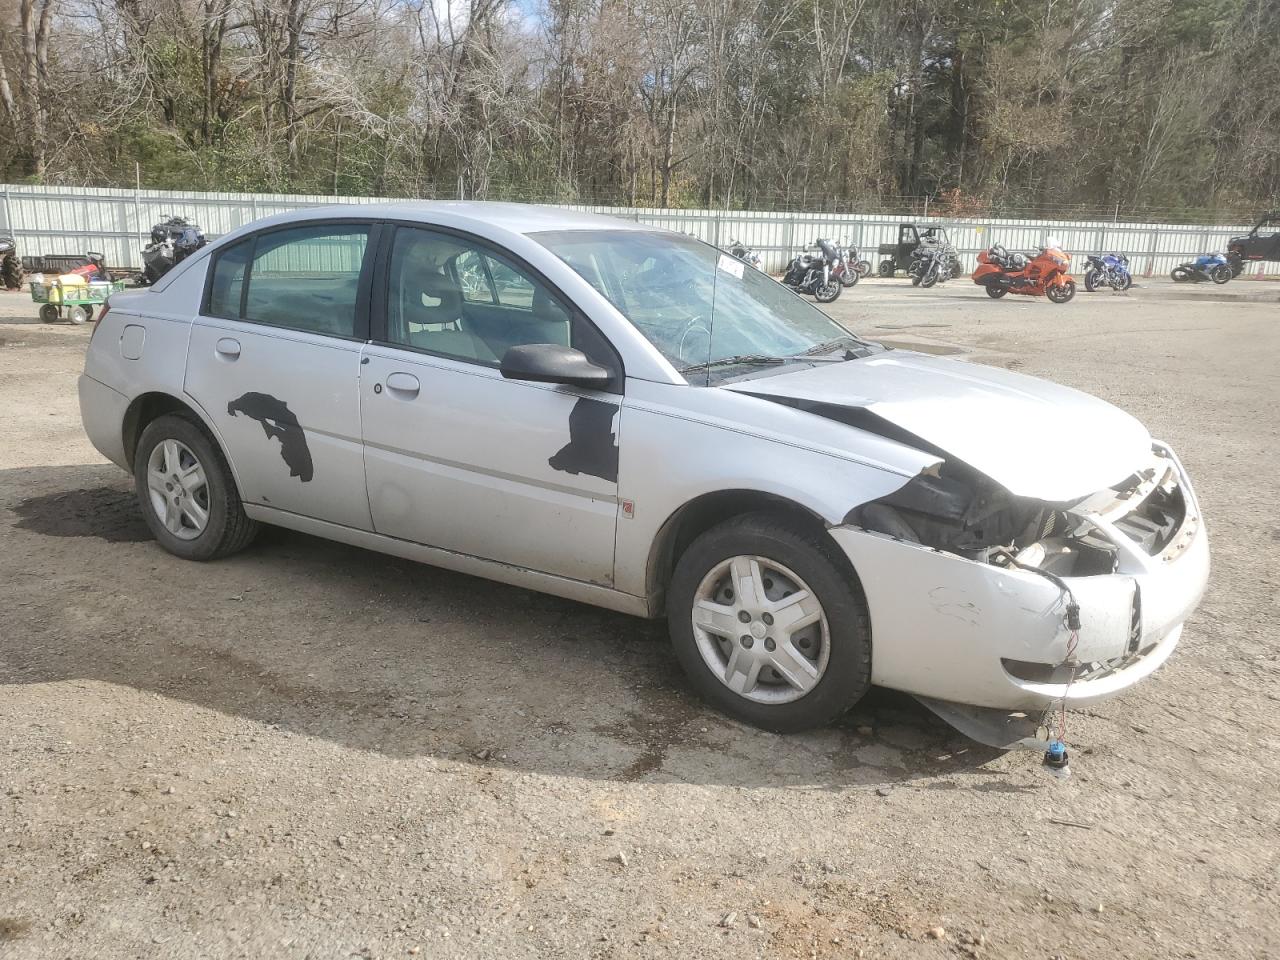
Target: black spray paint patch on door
{"points": [[278, 422], [593, 447]]}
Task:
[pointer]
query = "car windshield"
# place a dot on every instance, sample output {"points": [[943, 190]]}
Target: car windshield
{"points": [[700, 307]]}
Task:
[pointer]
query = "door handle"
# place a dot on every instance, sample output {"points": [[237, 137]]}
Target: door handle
{"points": [[403, 383], [228, 348]]}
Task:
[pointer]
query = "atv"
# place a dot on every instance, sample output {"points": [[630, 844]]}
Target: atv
{"points": [[1260, 243]]}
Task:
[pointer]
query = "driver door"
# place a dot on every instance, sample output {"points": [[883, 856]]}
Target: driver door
{"points": [[458, 457]]}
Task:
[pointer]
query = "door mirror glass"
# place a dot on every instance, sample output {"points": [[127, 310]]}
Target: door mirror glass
{"points": [[553, 363]]}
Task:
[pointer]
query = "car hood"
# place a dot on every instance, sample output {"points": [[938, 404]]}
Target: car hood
{"points": [[1034, 438]]}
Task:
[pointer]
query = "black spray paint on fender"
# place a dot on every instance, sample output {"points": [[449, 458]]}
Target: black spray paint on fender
{"points": [[278, 421], [592, 448]]}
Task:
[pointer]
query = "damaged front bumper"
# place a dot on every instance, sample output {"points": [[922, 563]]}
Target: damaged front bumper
{"points": [[977, 633]]}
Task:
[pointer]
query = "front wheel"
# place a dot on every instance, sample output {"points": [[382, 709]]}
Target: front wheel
{"points": [[849, 276], [186, 491], [78, 314], [768, 623], [49, 313], [1126, 281], [1090, 281], [1221, 274], [828, 291], [887, 268], [929, 277], [11, 272], [1061, 292]]}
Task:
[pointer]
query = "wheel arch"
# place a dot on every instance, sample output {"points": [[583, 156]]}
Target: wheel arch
{"points": [[149, 406], [703, 512]]}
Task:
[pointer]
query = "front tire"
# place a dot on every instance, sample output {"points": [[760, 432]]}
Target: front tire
{"points": [[929, 277], [770, 626], [1061, 293], [827, 292], [186, 491], [850, 276], [1090, 281], [887, 268]]}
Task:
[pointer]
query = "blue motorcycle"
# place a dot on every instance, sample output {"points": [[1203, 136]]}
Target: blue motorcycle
{"points": [[1210, 266], [1108, 270]]}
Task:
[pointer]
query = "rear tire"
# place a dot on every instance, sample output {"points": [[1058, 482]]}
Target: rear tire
{"points": [[1090, 281], [175, 446], [995, 291], [887, 268], [1221, 274], [12, 274], [1179, 274], [836, 647], [864, 268], [78, 314]]}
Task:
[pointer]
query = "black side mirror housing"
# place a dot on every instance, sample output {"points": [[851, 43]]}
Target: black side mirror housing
{"points": [[553, 363]]}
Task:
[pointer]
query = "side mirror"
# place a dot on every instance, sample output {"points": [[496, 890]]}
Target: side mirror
{"points": [[553, 363]]}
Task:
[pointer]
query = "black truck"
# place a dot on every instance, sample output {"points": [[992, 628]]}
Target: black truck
{"points": [[1260, 243]]}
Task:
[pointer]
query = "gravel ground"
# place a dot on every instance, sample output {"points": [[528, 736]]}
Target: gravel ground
{"points": [[314, 751]]}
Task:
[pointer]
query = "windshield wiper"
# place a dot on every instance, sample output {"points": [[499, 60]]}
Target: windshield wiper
{"points": [[852, 345], [731, 361]]}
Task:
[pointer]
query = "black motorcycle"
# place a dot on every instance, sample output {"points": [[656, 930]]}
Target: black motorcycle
{"points": [[172, 241], [817, 274], [933, 263], [11, 272]]}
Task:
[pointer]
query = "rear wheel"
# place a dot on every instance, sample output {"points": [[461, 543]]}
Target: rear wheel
{"points": [[864, 268], [1221, 274], [12, 274], [78, 314], [1090, 281], [1236, 263], [1061, 292], [995, 291], [886, 268], [769, 625], [1180, 275], [186, 491], [49, 313]]}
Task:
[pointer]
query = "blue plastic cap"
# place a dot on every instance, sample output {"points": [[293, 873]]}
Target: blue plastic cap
{"points": [[1057, 748]]}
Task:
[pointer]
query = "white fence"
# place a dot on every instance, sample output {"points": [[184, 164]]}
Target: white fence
{"points": [[117, 223]]}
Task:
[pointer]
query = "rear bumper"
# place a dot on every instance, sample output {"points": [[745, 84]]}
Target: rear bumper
{"points": [[102, 412], [972, 633]]}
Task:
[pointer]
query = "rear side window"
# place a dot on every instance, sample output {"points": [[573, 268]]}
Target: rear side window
{"points": [[303, 278], [228, 280]]}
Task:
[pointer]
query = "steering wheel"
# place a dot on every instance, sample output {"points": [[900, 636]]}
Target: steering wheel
{"points": [[691, 326]]}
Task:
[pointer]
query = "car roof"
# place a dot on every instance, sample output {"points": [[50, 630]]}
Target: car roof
{"points": [[524, 218]]}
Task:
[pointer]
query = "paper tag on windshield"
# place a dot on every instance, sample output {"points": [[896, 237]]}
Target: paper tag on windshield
{"points": [[731, 265]]}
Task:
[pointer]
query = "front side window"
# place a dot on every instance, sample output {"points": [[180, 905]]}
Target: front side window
{"points": [[451, 297], [302, 278], [693, 303]]}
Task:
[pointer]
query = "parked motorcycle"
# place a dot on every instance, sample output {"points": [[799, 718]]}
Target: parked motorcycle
{"points": [[744, 253], [11, 272], [1210, 266], [1108, 270], [1001, 272], [817, 274], [172, 241], [855, 267], [933, 263]]}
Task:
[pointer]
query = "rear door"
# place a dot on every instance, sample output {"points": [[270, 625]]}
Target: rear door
{"points": [[456, 456], [274, 360]]}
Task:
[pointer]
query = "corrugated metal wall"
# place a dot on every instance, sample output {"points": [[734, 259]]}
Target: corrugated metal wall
{"points": [[71, 220]]}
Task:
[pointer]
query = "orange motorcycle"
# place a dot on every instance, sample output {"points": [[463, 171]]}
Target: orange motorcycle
{"points": [[1045, 274]]}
